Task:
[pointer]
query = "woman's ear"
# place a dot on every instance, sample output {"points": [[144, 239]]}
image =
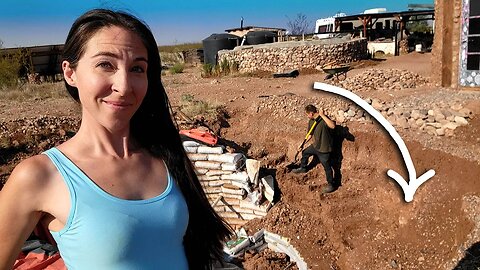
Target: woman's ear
{"points": [[69, 73]]}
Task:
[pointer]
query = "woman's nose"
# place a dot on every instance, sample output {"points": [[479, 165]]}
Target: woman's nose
{"points": [[121, 82]]}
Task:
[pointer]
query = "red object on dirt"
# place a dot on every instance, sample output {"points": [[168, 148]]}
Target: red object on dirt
{"points": [[39, 261], [201, 136]]}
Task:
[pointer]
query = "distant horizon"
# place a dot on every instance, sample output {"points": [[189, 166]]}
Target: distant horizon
{"points": [[37, 23]]}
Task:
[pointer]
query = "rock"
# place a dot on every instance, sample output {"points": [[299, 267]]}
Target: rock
{"points": [[448, 132], [377, 105], [440, 132], [398, 111], [431, 130], [415, 114], [443, 121], [351, 113], [447, 113], [435, 125], [420, 122], [456, 107], [461, 121], [464, 112], [439, 117], [402, 122], [450, 125], [412, 123], [392, 119]]}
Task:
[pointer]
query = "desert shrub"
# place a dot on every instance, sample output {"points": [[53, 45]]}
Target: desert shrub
{"points": [[14, 66], [9, 68], [207, 70], [177, 68], [224, 68], [193, 107]]}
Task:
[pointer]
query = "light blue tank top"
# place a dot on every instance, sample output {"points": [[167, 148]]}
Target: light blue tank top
{"points": [[106, 232]]}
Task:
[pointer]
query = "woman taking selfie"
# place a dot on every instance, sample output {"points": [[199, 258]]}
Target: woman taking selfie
{"points": [[121, 193]]}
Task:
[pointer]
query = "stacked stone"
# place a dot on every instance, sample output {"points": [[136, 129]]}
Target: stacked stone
{"points": [[283, 56], [382, 79], [291, 106], [438, 121], [439, 118], [226, 182]]}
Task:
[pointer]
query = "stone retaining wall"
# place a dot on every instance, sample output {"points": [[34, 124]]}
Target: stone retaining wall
{"points": [[284, 56]]}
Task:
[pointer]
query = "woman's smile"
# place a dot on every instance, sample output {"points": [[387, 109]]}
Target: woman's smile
{"points": [[117, 105]]}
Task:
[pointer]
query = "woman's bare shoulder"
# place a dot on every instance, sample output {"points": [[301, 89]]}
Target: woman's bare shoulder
{"points": [[32, 174]]}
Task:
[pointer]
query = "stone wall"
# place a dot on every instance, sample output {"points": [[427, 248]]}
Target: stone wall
{"points": [[284, 56]]}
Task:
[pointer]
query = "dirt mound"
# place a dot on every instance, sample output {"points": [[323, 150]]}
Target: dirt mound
{"points": [[29, 136], [366, 224]]}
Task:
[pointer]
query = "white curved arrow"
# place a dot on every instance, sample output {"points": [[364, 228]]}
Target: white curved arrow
{"points": [[409, 188]]}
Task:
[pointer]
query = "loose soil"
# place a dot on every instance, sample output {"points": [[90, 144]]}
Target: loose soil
{"points": [[365, 224]]}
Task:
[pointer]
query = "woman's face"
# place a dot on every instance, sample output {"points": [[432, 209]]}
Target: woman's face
{"points": [[111, 77]]}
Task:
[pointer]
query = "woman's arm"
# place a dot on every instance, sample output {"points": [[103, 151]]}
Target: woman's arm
{"points": [[20, 204]]}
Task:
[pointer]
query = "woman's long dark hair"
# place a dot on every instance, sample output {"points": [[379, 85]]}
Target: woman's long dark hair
{"points": [[153, 128]]}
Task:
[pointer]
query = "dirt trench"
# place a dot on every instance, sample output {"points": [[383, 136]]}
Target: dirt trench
{"points": [[366, 224]]}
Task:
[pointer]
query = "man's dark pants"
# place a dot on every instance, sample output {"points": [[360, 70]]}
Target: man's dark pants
{"points": [[324, 158]]}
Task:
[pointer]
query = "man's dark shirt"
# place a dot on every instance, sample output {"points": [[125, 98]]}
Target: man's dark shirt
{"points": [[322, 137]]}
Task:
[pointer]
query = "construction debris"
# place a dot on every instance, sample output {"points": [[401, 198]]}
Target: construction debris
{"points": [[261, 240]]}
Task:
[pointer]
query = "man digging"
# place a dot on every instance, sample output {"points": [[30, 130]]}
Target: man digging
{"points": [[320, 127]]}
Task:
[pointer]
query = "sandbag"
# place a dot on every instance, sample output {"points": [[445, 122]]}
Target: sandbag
{"points": [[208, 165], [210, 150], [229, 167], [226, 158], [208, 177], [217, 172], [191, 149], [241, 176], [190, 143], [197, 157], [201, 171], [253, 169]]}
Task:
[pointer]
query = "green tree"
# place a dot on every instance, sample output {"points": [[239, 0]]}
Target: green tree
{"points": [[10, 64]]}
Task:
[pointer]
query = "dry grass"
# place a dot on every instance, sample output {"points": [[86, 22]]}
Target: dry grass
{"points": [[180, 47], [193, 108], [34, 91]]}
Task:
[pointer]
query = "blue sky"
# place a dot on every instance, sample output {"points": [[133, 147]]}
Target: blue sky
{"points": [[34, 22]]}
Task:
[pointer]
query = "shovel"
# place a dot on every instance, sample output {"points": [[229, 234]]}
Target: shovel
{"points": [[294, 164]]}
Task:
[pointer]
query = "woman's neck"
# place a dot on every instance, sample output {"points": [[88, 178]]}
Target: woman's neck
{"points": [[100, 140]]}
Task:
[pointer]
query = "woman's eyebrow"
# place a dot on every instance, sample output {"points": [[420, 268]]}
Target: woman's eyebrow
{"points": [[113, 55]]}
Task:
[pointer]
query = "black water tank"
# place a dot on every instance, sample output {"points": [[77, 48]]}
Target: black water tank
{"points": [[260, 37], [215, 43]]}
